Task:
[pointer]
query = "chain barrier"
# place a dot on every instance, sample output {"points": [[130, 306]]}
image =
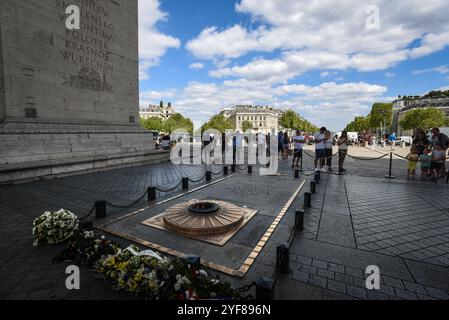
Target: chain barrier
{"points": [[368, 159], [325, 158], [217, 173], [246, 288], [89, 213], [127, 205], [240, 169], [168, 190], [199, 180]]}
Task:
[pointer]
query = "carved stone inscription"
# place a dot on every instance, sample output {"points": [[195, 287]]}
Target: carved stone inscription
{"points": [[88, 47]]}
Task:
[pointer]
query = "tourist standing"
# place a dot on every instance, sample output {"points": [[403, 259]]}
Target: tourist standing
{"points": [[425, 160], [285, 145], [421, 142], [298, 141], [438, 159], [320, 153], [443, 140], [392, 139], [328, 146], [342, 151], [412, 158], [280, 137]]}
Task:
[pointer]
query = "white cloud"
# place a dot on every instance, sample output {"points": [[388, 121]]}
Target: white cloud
{"points": [[153, 96], [196, 66], [325, 35], [329, 103], [440, 69], [152, 43], [390, 75]]}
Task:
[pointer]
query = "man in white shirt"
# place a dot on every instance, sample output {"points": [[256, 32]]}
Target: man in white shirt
{"points": [[320, 153], [298, 142]]}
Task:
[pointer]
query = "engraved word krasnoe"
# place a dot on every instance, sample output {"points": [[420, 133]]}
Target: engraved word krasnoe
{"points": [[373, 279], [72, 22], [72, 282]]}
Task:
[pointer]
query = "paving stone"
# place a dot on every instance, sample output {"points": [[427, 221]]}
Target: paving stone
{"points": [[319, 264], [309, 269], [304, 260], [376, 295], [326, 274], [397, 283], [336, 286], [405, 294], [437, 293], [317, 281], [344, 278], [356, 292], [300, 276], [414, 287], [336, 268], [355, 272]]}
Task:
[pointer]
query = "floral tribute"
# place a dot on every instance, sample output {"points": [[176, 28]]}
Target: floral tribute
{"points": [[54, 227], [143, 273]]}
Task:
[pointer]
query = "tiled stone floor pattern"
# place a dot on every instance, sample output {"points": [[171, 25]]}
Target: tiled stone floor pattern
{"points": [[350, 281], [409, 220]]}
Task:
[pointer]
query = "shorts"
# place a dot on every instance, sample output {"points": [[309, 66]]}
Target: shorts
{"points": [[342, 153], [411, 165], [320, 154], [436, 165], [297, 153]]}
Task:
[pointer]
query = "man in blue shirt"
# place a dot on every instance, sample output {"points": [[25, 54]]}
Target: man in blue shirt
{"points": [[392, 139]]}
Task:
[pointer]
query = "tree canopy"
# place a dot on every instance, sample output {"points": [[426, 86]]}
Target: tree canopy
{"points": [[175, 122], [152, 123], [218, 122], [423, 118], [246, 125], [291, 120]]}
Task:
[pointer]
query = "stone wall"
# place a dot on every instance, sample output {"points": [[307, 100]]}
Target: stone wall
{"points": [[71, 98]]}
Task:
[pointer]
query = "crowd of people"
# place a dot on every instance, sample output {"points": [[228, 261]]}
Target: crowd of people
{"points": [[431, 155]]}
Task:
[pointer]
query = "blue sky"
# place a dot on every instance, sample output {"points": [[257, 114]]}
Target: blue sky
{"points": [[327, 60]]}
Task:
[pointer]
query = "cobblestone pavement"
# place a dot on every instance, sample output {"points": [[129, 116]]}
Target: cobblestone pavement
{"points": [[356, 220], [400, 226]]}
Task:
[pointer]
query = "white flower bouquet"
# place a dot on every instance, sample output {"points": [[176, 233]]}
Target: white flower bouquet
{"points": [[54, 227]]}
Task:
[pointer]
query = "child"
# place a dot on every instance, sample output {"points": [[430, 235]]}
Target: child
{"points": [[438, 158], [425, 159], [412, 158]]}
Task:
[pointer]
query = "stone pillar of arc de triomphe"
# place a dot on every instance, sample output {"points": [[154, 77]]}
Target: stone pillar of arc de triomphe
{"points": [[69, 99]]}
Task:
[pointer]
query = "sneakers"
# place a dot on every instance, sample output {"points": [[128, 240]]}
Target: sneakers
{"points": [[323, 170]]}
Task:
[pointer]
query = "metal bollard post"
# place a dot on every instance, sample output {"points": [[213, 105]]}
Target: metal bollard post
{"points": [[389, 176], [233, 168], [151, 194], [317, 178], [296, 174], [185, 183], [208, 176], [299, 220], [100, 209], [264, 289], [282, 258], [225, 170], [307, 200], [250, 169], [312, 187]]}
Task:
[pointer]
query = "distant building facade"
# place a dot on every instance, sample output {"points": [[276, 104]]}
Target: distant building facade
{"points": [[262, 118], [403, 105], [160, 111]]}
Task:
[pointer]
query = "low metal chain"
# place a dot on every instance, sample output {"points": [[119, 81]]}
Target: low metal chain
{"points": [[367, 159], [169, 190], [195, 181], [127, 205], [89, 213], [246, 288], [240, 169], [217, 173]]}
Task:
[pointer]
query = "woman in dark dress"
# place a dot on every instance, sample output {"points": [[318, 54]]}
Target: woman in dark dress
{"points": [[420, 142]]}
